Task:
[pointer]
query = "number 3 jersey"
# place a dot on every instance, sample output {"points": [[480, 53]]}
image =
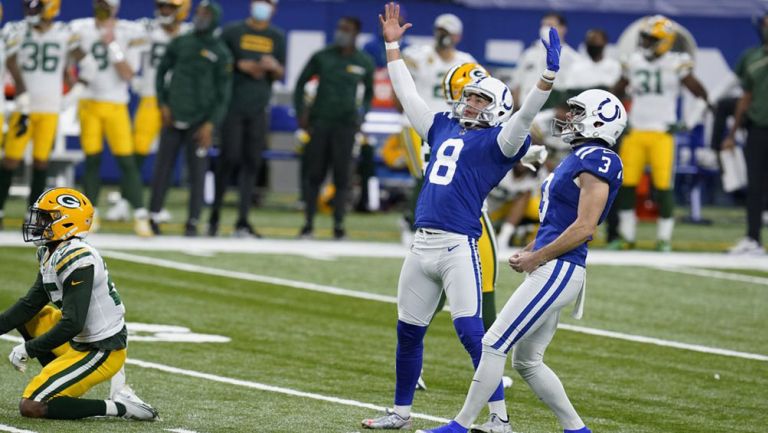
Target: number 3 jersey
{"points": [[559, 204], [42, 57], [655, 88], [465, 165], [106, 311]]}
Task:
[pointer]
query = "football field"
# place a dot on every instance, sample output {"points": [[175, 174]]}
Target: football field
{"points": [[288, 336]]}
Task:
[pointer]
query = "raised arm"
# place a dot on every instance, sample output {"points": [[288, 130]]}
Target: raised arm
{"points": [[513, 134], [417, 111]]}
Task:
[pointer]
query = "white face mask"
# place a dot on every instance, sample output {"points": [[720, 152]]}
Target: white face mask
{"points": [[544, 33]]}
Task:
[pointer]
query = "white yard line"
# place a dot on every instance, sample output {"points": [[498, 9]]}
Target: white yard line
{"points": [[180, 430], [706, 273], [10, 429], [249, 384], [331, 249], [170, 264]]}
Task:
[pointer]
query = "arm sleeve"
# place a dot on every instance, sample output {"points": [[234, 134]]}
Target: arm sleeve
{"points": [[223, 86], [513, 134], [25, 308], [417, 111], [310, 69], [166, 64], [75, 304]]}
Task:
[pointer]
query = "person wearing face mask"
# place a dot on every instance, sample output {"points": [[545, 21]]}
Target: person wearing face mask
{"points": [[333, 119], [105, 70], [752, 113], [258, 49], [595, 70], [193, 85], [533, 59]]}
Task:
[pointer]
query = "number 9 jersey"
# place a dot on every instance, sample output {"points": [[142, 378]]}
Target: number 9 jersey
{"points": [[463, 168], [560, 194]]}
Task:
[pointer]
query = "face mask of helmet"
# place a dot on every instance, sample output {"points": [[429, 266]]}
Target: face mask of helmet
{"points": [[261, 10], [33, 12], [165, 20], [648, 45], [568, 129], [343, 38], [37, 228], [483, 117]]}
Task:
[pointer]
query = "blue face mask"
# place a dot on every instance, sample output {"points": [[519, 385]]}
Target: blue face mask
{"points": [[261, 11]]}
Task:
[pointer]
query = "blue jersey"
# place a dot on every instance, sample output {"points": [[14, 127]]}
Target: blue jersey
{"points": [[560, 194], [464, 166]]}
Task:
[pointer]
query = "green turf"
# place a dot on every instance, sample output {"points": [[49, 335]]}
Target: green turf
{"points": [[344, 347], [279, 218]]}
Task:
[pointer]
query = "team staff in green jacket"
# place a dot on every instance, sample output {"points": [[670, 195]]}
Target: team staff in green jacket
{"points": [[334, 118], [193, 89]]}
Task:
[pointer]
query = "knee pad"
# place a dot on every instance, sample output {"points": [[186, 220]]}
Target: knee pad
{"points": [[470, 331]]}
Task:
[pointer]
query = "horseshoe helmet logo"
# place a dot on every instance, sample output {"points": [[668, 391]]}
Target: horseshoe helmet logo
{"points": [[68, 201], [616, 112]]}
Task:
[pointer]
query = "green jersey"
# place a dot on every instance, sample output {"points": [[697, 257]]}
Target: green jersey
{"points": [[754, 79], [249, 94]]}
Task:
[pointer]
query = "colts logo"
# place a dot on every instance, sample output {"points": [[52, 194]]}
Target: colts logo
{"points": [[68, 201], [616, 113]]}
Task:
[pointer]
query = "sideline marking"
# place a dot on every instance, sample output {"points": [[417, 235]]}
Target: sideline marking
{"points": [[10, 429], [707, 273]]}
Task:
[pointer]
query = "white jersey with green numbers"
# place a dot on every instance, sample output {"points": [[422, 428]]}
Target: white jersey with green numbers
{"points": [[42, 58], [428, 70], [106, 312], [655, 87], [151, 52], [107, 85]]}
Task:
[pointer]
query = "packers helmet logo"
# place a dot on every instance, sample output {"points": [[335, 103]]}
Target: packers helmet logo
{"points": [[477, 73], [616, 113], [68, 201]]}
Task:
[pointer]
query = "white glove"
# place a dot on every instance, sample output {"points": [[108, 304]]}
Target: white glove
{"points": [[536, 154], [23, 102], [19, 357]]}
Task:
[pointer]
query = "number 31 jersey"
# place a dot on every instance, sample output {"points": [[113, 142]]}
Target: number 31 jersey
{"points": [[464, 166], [559, 204], [41, 58]]}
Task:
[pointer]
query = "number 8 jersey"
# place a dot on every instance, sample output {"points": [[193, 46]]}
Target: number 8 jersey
{"points": [[559, 206], [463, 168]]}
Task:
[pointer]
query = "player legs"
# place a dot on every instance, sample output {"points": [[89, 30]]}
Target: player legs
{"points": [[662, 159], [43, 126], [633, 156], [487, 249], [15, 143], [544, 292], [91, 136], [146, 128]]}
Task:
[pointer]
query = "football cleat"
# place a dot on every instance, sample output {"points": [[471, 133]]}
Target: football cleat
{"points": [[142, 227], [420, 384], [390, 421], [494, 425], [747, 246], [120, 211], [663, 246], [135, 408], [452, 427], [244, 230], [581, 430]]}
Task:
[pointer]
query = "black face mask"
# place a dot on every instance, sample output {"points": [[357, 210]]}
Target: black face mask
{"points": [[595, 51]]}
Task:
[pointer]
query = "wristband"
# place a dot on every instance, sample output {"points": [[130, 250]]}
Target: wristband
{"points": [[392, 45], [548, 76]]}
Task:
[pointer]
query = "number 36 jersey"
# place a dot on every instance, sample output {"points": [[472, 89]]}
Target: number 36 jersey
{"points": [[464, 166], [42, 58], [560, 191]]}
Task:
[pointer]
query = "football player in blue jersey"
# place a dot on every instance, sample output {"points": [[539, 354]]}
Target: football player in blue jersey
{"points": [[472, 148], [575, 199]]}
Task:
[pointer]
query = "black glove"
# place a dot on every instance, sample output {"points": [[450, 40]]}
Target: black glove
{"points": [[23, 125]]}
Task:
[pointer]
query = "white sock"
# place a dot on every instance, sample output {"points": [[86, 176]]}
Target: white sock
{"points": [[111, 408], [403, 411], [664, 227], [117, 383], [627, 224], [547, 386], [141, 213], [505, 234], [484, 383], [498, 407]]}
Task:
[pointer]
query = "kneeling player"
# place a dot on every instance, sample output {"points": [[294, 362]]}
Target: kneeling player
{"points": [[81, 342]]}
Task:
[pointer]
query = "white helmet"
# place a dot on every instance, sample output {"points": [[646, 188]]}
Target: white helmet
{"points": [[594, 113], [495, 113]]}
